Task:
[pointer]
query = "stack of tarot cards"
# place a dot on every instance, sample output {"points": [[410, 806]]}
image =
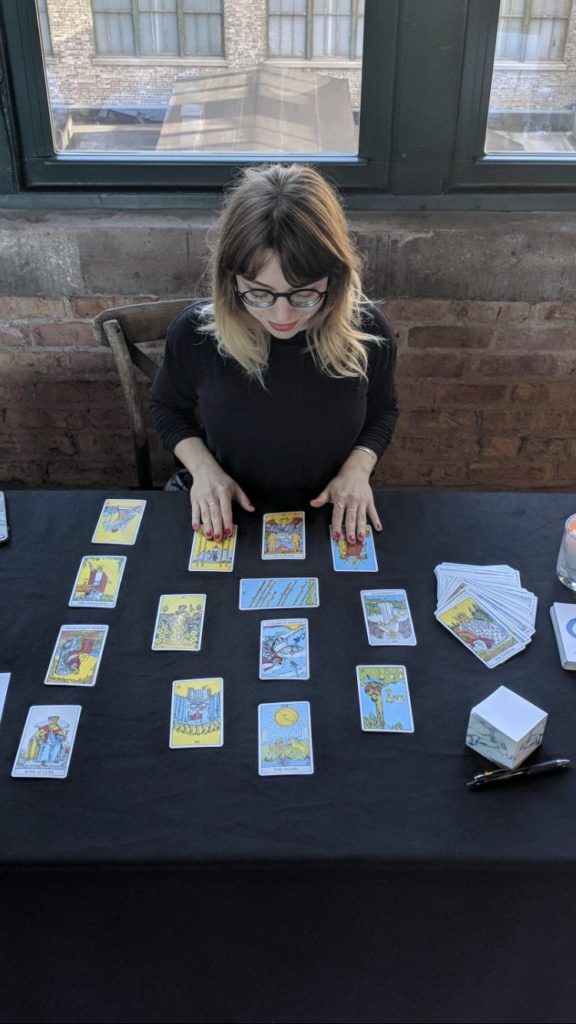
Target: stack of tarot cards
{"points": [[486, 608], [564, 621]]}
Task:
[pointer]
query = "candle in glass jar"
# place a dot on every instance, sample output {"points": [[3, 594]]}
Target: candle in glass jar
{"points": [[566, 568]]}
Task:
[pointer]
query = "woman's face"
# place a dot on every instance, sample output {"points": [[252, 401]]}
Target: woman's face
{"points": [[282, 320]]}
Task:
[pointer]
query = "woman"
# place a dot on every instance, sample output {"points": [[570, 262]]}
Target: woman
{"points": [[284, 380]]}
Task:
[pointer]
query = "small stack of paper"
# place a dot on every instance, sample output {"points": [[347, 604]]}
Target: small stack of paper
{"points": [[564, 621], [486, 608]]}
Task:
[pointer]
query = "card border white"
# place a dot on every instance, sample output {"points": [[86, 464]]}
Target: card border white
{"points": [[388, 590], [197, 746], [76, 626], [96, 604], [272, 679], [279, 704], [283, 607], [55, 708], [284, 558], [120, 543], [214, 569], [185, 650], [397, 732]]}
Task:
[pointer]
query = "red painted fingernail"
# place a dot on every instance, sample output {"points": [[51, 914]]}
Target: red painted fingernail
{"points": [[208, 533], [350, 536], [194, 526], [360, 536], [228, 531], [336, 535], [216, 536]]}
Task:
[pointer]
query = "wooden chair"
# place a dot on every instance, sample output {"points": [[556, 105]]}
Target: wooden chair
{"points": [[123, 329]]}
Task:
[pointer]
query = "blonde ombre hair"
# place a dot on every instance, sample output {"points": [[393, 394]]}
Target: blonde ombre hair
{"points": [[289, 210]]}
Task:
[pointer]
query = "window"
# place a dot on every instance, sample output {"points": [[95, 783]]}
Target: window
{"points": [[137, 126], [145, 28], [313, 29], [531, 31], [45, 27]]}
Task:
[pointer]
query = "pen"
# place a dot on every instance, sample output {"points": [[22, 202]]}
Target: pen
{"points": [[525, 771]]}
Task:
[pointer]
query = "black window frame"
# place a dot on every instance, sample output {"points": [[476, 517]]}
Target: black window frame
{"points": [[424, 111]]}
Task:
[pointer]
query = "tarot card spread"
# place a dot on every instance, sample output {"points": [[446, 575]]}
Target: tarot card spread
{"points": [[283, 535], [284, 649], [384, 698], [179, 622], [210, 555], [119, 521], [292, 592], [387, 618], [76, 657], [98, 581], [285, 739]]}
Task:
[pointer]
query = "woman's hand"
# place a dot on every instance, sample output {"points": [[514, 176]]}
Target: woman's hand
{"points": [[351, 494], [212, 491]]}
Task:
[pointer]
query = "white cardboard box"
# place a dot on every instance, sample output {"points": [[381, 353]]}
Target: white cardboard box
{"points": [[505, 728]]}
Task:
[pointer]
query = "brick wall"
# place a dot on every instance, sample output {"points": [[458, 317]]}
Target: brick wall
{"points": [[487, 392]]}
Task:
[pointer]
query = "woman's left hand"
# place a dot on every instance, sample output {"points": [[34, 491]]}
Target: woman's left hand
{"points": [[351, 494]]}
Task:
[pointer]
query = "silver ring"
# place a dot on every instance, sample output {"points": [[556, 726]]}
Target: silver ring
{"points": [[352, 509], [339, 504], [211, 503]]}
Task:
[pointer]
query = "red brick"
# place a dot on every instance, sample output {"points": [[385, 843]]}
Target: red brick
{"points": [[29, 307], [538, 394], [92, 305], [519, 419], [413, 394], [514, 311], [25, 365], [113, 445], [566, 475], [12, 337], [431, 364], [471, 394], [73, 473], [518, 365], [511, 475], [501, 446], [23, 473], [64, 334], [542, 339], [450, 337], [430, 445], [476, 312], [440, 419], [12, 394], [61, 392], [413, 310], [553, 448], [555, 311], [36, 417], [563, 393]]}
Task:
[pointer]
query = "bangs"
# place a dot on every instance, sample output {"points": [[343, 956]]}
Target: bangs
{"points": [[301, 260]]}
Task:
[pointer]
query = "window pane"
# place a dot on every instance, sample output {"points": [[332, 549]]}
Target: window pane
{"points": [[270, 99], [533, 110]]}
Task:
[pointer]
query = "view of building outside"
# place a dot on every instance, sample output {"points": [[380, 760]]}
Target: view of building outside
{"points": [[272, 76], [161, 76], [533, 97]]}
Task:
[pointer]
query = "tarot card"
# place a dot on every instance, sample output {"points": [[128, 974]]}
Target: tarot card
{"points": [[283, 535], [212, 555], [387, 617], [285, 739], [47, 740], [4, 680], [98, 581], [76, 657], [284, 649], [197, 717], [357, 556], [292, 592], [384, 698], [179, 622], [119, 521], [470, 621]]}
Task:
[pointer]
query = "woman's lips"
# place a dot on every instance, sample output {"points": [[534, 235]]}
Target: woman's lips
{"points": [[283, 327]]}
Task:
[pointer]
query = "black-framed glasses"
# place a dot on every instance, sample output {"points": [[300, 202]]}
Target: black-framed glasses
{"points": [[263, 298]]}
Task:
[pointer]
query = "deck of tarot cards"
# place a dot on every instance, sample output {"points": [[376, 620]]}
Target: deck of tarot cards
{"points": [[564, 621]]}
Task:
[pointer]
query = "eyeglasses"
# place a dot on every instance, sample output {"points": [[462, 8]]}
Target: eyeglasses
{"points": [[262, 298]]}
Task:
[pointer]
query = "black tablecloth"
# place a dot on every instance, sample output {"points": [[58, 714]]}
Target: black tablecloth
{"points": [[155, 884]]}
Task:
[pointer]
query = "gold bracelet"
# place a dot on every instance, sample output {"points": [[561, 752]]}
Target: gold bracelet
{"points": [[360, 448]]}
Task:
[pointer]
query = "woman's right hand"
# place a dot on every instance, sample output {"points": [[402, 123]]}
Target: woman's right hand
{"points": [[211, 497], [212, 491]]}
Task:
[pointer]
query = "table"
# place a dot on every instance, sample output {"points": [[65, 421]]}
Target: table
{"points": [[161, 885]]}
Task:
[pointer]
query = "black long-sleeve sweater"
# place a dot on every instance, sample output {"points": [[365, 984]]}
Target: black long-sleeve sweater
{"points": [[295, 432]]}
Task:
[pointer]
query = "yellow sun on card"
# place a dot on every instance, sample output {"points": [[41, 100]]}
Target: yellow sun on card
{"points": [[286, 716]]}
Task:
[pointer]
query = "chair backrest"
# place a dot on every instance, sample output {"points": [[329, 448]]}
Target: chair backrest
{"points": [[123, 329]]}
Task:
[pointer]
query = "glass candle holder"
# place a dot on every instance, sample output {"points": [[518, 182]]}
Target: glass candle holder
{"points": [[566, 567]]}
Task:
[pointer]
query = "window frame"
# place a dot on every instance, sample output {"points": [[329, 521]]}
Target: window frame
{"points": [[422, 130]]}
